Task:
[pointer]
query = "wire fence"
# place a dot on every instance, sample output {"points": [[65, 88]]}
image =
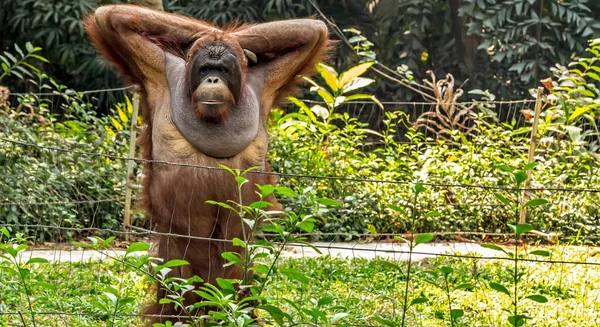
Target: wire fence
{"points": [[88, 286]]}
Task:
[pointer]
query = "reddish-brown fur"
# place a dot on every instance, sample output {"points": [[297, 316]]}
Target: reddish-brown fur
{"points": [[174, 196]]}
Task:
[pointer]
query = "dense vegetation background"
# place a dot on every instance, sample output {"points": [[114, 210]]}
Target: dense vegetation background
{"points": [[500, 46]]}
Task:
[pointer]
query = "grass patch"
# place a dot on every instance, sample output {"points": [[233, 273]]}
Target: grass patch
{"points": [[371, 291]]}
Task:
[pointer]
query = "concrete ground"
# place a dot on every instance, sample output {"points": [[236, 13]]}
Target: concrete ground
{"points": [[342, 250]]}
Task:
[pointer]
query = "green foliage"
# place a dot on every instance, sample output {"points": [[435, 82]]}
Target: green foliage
{"points": [[319, 140], [43, 186], [527, 37], [58, 27], [18, 65]]}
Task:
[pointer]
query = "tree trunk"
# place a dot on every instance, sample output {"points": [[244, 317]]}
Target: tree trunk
{"points": [[153, 4], [466, 45]]}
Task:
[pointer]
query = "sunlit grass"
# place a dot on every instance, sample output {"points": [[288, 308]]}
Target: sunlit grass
{"points": [[366, 289]]}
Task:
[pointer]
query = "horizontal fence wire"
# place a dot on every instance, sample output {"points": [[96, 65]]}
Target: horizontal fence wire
{"points": [[326, 246], [339, 178], [337, 244]]}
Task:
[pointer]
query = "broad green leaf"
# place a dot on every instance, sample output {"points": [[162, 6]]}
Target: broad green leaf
{"points": [[505, 168], [225, 284], [500, 288], [578, 112], [237, 242], [36, 260], [423, 238], [501, 198], [541, 253], [306, 226], [529, 166], [418, 300], [456, 313], [517, 321], [536, 202], [446, 270], [396, 208], [285, 191], [537, 298], [232, 257], [324, 301], [523, 228], [354, 72], [520, 177], [329, 202], [433, 214], [174, 263], [266, 189], [418, 188], [137, 246], [493, 247], [294, 274]]}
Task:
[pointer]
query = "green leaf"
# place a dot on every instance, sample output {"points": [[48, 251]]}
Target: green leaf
{"points": [[520, 177], [517, 321], [433, 214], [241, 180], [324, 301], [282, 190], [396, 208], [537, 298], [294, 274], [232, 257], [275, 313], [523, 228], [418, 300], [306, 226], [29, 47], [500, 288], [578, 112], [456, 313], [137, 246], [36, 260], [329, 202], [505, 168], [423, 238], [536, 202], [225, 284], [237, 242], [354, 72], [174, 263], [419, 188], [529, 166], [493, 247], [541, 253], [501, 198]]}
